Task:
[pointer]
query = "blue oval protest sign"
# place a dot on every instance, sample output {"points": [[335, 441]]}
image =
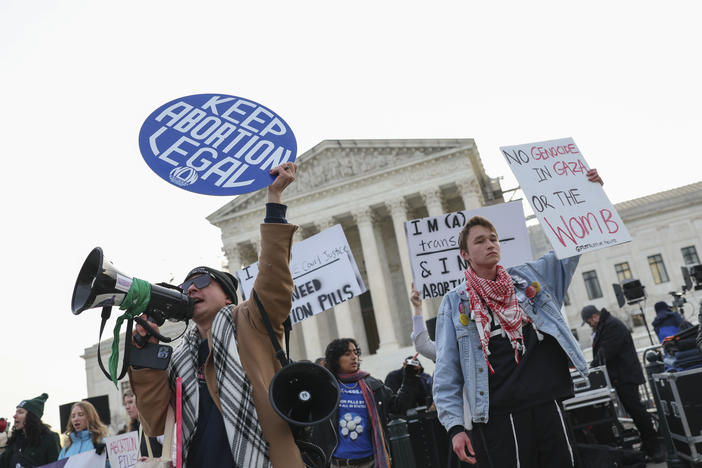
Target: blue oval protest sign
{"points": [[216, 144]]}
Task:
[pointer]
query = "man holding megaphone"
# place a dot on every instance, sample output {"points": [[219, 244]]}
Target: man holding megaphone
{"points": [[226, 361]]}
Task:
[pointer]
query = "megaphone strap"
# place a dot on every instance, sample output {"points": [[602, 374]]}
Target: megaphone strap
{"points": [[134, 304], [106, 312], [284, 360]]}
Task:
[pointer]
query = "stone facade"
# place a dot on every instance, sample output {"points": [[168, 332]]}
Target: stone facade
{"points": [[370, 187], [662, 224]]}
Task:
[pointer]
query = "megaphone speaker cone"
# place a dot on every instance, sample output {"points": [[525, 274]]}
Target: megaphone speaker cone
{"points": [[304, 393], [83, 293]]}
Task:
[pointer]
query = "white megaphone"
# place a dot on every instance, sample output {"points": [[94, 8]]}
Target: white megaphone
{"points": [[100, 284]]}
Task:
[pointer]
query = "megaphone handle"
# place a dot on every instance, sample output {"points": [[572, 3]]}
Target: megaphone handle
{"points": [[141, 340]]}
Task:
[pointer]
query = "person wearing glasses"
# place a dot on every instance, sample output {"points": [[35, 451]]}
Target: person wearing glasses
{"points": [[226, 360]]}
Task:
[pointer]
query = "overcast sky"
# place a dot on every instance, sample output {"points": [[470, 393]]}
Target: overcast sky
{"points": [[78, 78]]}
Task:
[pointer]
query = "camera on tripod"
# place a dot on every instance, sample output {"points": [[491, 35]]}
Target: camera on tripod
{"points": [[692, 274], [678, 300]]}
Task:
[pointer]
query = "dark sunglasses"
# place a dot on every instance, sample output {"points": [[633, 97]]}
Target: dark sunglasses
{"points": [[200, 282]]}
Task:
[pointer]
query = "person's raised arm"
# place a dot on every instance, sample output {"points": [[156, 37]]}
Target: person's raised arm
{"points": [[420, 336], [274, 283]]}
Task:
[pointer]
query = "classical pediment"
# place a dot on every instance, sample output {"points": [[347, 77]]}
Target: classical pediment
{"points": [[334, 162]]}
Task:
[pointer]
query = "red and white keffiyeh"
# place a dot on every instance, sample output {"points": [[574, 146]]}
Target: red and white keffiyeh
{"points": [[500, 297]]}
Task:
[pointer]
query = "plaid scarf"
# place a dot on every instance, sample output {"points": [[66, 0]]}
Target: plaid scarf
{"points": [[248, 447], [499, 297], [380, 454]]}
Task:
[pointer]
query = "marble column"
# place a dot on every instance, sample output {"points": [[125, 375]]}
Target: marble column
{"points": [[233, 255], [398, 212], [373, 256], [470, 193], [310, 334], [433, 201], [325, 321]]}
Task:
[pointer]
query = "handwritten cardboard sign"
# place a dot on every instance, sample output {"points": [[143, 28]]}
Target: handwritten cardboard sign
{"points": [[216, 144], [324, 272], [436, 263], [575, 214], [123, 449]]}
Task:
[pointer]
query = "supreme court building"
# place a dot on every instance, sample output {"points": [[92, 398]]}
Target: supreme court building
{"points": [[370, 188]]}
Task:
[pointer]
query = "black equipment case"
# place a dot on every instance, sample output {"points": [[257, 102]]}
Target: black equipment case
{"points": [[681, 402]]}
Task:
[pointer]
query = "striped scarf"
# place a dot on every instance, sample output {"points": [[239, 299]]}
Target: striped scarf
{"points": [[380, 454], [500, 297], [249, 448]]}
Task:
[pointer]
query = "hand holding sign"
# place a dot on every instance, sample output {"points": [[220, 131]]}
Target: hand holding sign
{"points": [[574, 212], [216, 144], [284, 176]]}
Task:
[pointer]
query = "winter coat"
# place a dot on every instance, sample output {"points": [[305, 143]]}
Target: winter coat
{"points": [[80, 442], [666, 323], [274, 285], [613, 346], [29, 456]]}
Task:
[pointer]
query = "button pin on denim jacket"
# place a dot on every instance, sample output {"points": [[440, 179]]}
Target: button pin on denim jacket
{"points": [[462, 317]]}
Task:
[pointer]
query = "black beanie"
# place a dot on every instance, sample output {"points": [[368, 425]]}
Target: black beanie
{"points": [[35, 405], [226, 280]]}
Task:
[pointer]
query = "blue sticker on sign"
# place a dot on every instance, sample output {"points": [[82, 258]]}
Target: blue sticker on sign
{"points": [[216, 144]]}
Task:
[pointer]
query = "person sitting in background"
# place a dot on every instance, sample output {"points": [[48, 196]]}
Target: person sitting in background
{"points": [[412, 373], [84, 431], [129, 402], [32, 443], [667, 321]]}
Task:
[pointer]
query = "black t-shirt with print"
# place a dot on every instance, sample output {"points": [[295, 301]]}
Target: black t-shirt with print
{"points": [[542, 373]]}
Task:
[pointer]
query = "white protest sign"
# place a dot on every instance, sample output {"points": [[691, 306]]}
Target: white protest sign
{"points": [[436, 263], [324, 272], [88, 459], [575, 214], [123, 449]]}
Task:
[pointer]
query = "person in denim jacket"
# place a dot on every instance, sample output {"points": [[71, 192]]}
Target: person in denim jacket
{"points": [[502, 335]]}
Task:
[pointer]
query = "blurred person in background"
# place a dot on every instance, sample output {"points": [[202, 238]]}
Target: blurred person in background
{"points": [[129, 401], [32, 442], [4, 429], [84, 431]]}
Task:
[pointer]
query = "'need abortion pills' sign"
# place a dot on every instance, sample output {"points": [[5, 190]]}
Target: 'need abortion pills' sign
{"points": [[216, 144]]}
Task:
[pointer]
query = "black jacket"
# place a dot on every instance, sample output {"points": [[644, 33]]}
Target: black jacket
{"points": [[614, 347], [31, 455], [387, 402]]}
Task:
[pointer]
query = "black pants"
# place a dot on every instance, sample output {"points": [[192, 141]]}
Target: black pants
{"points": [[631, 400], [533, 438]]}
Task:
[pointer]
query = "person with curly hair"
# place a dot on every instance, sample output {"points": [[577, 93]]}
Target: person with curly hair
{"points": [[32, 442], [363, 408], [84, 430]]}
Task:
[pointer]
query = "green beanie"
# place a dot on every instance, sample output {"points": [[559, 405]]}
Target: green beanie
{"points": [[35, 405]]}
